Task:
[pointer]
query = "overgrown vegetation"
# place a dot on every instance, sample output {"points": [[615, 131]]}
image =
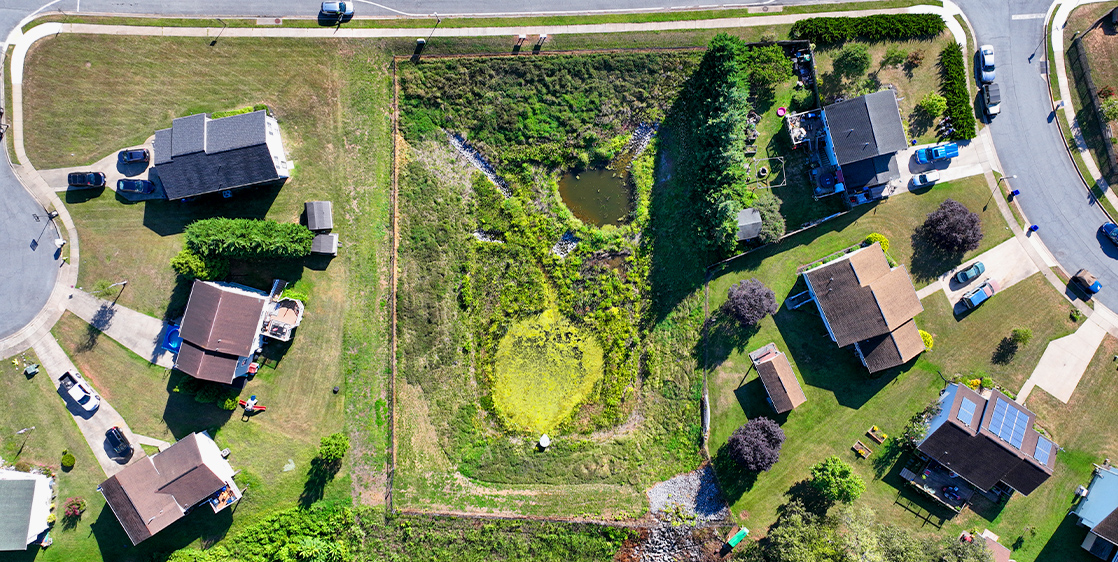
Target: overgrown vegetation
{"points": [[953, 84], [880, 27]]}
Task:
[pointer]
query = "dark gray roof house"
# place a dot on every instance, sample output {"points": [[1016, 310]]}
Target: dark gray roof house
{"points": [[988, 440], [199, 155], [220, 331], [24, 506], [867, 304], [156, 491], [866, 133]]}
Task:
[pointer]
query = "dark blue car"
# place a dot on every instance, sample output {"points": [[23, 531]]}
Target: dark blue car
{"points": [[135, 186], [1110, 230], [133, 155]]}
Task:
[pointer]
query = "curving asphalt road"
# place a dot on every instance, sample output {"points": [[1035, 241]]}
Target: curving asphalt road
{"points": [[28, 263], [1030, 144]]}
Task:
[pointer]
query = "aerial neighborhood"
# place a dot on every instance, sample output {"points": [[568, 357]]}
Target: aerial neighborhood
{"points": [[777, 282]]}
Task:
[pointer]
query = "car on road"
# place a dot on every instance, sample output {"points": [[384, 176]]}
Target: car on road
{"points": [[986, 63], [937, 153], [992, 95], [135, 186], [337, 9], [1089, 283], [970, 274], [86, 179], [79, 390], [118, 441], [925, 179], [1110, 230], [133, 155], [981, 294]]}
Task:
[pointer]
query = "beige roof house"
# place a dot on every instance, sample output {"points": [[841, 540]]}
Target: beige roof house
{"points": [[868, 304], [779, 379]]}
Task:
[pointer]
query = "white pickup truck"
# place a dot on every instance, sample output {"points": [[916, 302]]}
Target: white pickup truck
{"points": [[80, 391]]}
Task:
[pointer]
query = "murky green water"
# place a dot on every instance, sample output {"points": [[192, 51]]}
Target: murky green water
{"points": [[597, 197]]}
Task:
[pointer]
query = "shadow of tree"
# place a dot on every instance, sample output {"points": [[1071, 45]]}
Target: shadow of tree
{"points": [[1004, 353], [887, 455], [919, 121], [928, 260], [808, 496], [100, 322], [320, 473]]}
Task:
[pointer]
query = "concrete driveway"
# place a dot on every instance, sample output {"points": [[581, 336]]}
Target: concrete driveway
{"points": [[1007, 263], [138, 332], [93, 427], [113, 170], [970, 162]]}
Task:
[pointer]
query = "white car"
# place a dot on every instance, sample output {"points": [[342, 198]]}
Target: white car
{"points": [[925, 179], [79, 391], [986, 63]]}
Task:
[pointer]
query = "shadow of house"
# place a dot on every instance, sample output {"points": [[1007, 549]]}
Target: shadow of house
{"points": [[167, 218], [185, 415]]}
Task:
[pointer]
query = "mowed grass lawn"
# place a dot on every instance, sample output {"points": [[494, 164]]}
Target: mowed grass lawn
{"points": [[843, 401], [331, 99], [35, 403]]}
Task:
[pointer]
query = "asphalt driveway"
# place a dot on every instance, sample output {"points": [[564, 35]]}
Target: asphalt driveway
{"points": [[1031, 146], [29, 260]]}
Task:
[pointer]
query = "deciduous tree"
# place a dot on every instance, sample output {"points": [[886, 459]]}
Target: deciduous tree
{"points": [[953, 228], [749, 302], [756, 444]]}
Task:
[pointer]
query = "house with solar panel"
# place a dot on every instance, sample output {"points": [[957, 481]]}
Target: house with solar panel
{"points": [[1098, 511], [199, 155], [981, 443]]}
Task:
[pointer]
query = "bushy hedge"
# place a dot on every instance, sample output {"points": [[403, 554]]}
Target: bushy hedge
{"points": [[194, 266], [248, 239], [881, 27], [953, 84]]}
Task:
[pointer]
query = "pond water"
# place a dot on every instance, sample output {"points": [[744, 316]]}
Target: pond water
{"points": [[597, 197]]}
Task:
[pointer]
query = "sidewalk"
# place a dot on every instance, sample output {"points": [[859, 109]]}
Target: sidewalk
{"points": [[1064, 362], [56, 363], [138, 332]]}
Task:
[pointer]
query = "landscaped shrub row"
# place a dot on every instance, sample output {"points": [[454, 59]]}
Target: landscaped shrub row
{"points": [[248, 239], [881, 27], [953, 84]]}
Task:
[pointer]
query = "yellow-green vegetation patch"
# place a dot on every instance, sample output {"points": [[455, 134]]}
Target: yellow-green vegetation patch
{"points": [[545, 367]]}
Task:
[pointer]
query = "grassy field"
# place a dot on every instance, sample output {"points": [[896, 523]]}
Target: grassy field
{"points": [[911, 82], [330, 98], [1100, 44]]}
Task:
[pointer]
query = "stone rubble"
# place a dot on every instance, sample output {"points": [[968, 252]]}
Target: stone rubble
{"points": [[478, 161]]}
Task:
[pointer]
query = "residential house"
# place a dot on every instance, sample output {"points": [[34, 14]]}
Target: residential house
{"points": [[25, 500], [989, 441], [151, 494], [199, 155], [869, 305], [863, 136], [776, 374], [1098, 511]]}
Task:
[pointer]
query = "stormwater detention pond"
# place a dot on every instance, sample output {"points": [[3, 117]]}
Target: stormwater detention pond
{"points": [[597, 197]]}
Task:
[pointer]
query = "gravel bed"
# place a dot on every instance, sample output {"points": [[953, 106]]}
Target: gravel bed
{"points": [[694, 495]]}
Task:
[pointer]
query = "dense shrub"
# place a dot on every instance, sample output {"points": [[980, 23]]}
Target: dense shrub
{"points": [[927, 339], [836, 480], [74, 507], [1110, 109], [932, 104], [756, 444], [881, 27], [68, 460], [333, 447], [1022, 335], [248, 239], [953, 84], [894, 55], [772, 222], [1105, 92], [878, 238], [953, 228], [767, 66], [852, 60], [915, 58], [194, 266], [749, 302]]}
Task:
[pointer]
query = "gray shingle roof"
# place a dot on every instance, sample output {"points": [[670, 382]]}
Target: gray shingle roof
{"points": [[749, 224], [871, 172], [325, 244], [161, 148], [235, 131], [865, 127], [320, 215], [188, 134], [199, 155], [15, 513]]}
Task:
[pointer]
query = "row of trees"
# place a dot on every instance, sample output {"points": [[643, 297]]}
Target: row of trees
{"points": [[880, 27], [211, 243]]}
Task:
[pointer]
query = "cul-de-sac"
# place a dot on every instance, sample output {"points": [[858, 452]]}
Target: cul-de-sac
{"points": [[597, 280]]}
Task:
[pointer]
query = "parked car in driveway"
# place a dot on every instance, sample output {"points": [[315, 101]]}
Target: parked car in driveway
{"points": [[337, 9], [937, 153], [971, 273], [79, 390], [981, 294], [118, 441], [135, 186], [925, 179], [133, 155], [992, 95], [1089, 283], [1110, 230], [86, 179], [986, 63]]}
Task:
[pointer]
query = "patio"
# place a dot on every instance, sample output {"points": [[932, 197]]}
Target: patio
{"points": [[932, 481]]}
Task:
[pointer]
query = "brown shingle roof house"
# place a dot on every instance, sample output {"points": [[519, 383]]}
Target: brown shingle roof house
{"points": [[153, 493], [867, 304], [988, 440], [220, 331], [779, 379]]}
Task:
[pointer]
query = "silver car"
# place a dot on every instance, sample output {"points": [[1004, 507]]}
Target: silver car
{"points": [[986, 63], [337, 9]]}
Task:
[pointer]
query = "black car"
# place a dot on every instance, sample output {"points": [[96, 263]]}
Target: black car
{"points": [[118, 441], [135, 186], [86, 179], [133, 155]]}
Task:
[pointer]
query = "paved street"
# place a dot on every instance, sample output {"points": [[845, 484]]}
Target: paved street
{"points": [[27, 252]]}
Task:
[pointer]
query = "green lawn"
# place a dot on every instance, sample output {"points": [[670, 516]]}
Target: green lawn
{"points": [[843, 401], [1099, 42], [330, 98], [34, 402]]}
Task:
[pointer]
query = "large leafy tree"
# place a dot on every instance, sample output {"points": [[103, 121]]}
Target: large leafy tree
{"points": [[756, 444], [767, 66], [836, 480], [953, 228], [750, 301]]}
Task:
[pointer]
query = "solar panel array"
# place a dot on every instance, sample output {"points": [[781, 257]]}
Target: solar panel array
{"points": [[966, 411], [1009, 423], [1043, 450]]}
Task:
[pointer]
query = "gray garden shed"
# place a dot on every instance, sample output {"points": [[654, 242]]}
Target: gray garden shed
{"points": [[320, 215], [749, 224]]}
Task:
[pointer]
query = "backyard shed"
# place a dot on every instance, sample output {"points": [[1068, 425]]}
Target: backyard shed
{"points": [[320, 215], [785, 392], [749, 224], [325, 244]]}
